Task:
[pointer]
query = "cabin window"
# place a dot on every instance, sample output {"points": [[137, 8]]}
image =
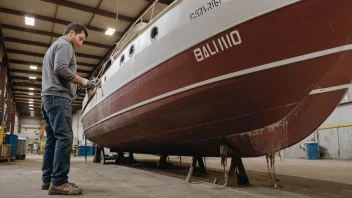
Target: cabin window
{"points": [[104, 78], [122, 60], [131, 50], [154, 33]]}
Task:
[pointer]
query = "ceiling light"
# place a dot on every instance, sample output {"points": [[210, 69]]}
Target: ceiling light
{"points": [[31, 109], [31, 105], [31, 89], [29, 21], [33, 67], [110, 31], [32, 77], [31, 94]]}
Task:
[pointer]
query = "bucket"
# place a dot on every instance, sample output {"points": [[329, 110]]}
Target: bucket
{"points": [[311, 150]]}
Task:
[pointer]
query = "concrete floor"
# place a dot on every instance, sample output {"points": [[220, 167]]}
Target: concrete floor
{"points": [[298, 178]]}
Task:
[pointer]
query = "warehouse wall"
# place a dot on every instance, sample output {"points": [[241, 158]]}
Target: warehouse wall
{"points": [[77, 129], [334, 136], [30, 128], [7, 105]]}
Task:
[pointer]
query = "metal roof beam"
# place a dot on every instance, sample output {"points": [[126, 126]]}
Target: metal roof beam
{"points": [[42, 55], [40, 73], [90, 10], [50, 19], [14, 61], [14, 77], [26, 72], [15, 40], [27, 84], [45, 33], [27, 90]]}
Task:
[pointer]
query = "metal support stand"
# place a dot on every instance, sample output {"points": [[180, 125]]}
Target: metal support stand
{"points": [[163, 162], [237, 168], [201, 168], [97, 156], [131, 159], [120, 158], [102, 155]]}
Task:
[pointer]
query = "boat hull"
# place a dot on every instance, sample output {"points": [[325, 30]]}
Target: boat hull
{"points": [[257, 96]]}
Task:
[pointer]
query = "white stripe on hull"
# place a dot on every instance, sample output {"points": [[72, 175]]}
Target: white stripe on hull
{"points": [[329, 89], [241, 73]]}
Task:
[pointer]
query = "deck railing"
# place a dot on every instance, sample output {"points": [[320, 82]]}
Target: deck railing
{"points": [[130, 37]]}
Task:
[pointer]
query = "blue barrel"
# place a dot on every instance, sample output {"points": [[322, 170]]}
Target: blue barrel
{"points": [[311, 150], [12, 139], [82, 150], [90, 150]]}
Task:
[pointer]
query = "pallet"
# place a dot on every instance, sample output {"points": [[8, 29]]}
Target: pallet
{"points": [[8, 159]]}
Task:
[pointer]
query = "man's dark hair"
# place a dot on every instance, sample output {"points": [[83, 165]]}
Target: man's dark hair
{"points": [[77, 27]]}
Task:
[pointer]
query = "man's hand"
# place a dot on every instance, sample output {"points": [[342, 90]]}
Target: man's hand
{"points": [[88, 84]]}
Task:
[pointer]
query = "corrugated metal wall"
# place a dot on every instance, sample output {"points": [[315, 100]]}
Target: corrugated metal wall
{"points": [[345, 142], [335, 143], [334, 137]]}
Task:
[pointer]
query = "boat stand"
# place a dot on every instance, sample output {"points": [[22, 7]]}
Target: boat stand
{"points": [[97, 154], [121, 159], [130, 158], [201, 168], [163, 162], [100, 157], [237, 168]]}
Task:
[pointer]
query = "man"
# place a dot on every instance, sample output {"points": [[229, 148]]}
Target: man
{"points": [[59, 81]]}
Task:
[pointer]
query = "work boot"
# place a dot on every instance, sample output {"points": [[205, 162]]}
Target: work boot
{"points": [[46, 185], [64, 189]]}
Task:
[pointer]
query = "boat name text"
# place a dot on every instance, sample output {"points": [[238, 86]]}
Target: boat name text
{"points": [[205, 8], [217, 45]]}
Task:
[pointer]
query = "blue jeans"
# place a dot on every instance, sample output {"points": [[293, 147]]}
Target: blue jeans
{"points": [[57, 113]]}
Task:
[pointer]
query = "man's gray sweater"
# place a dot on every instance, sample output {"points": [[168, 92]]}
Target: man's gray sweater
{"points": [[59, 69]]}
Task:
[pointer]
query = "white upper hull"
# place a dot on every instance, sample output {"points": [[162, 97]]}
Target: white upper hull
{"points": [[178, 30]]}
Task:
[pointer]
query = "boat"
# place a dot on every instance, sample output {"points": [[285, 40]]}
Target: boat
{"points": [[257, 76]]}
